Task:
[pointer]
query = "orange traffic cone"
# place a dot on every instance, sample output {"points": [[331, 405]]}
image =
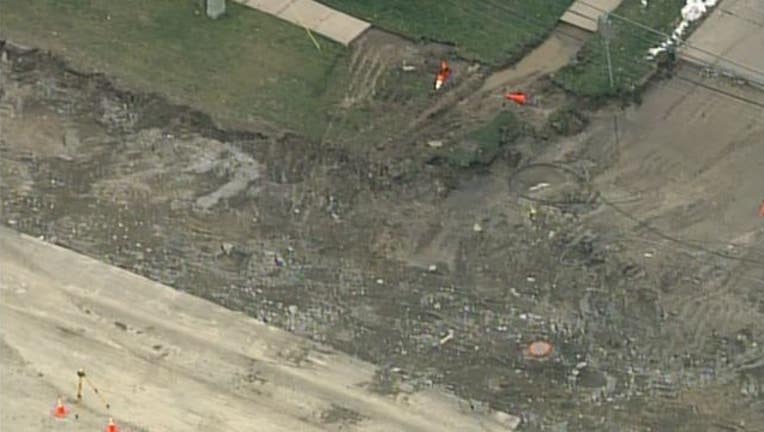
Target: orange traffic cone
{"points": [[443, 75], [111, 427], [519, 98], [60, 411]]}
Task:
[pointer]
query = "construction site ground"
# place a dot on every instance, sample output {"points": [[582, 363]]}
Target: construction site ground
{"points": [[632, 245], [207, 368]]}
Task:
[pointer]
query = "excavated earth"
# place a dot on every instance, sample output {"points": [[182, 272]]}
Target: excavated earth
{"points": [[630, 258]]}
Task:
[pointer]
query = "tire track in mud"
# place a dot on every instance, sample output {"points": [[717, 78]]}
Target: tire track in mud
{"points": [[367, 65], [357, 62]]}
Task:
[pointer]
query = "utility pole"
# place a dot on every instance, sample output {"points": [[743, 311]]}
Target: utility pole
{"points": [[606, 30]]}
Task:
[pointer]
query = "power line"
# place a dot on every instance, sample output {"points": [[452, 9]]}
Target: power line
{"points": [[563, 167], [538, 22], [624, 59], [541, 24], [666, 35], [529, 19]]}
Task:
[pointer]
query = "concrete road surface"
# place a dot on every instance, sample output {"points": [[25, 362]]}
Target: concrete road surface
{"points": [[167, 361], [732, 38], [586, 14]]}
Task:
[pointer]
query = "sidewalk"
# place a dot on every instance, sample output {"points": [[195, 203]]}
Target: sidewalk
{"points": [[320, 19]]}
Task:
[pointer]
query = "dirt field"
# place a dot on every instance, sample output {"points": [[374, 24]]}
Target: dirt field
{"points": [[640, 259], [492, 32]]}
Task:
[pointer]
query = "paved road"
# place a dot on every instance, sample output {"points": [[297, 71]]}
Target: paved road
{"points": [[168, 361], [692, 155], [582, 15], [731, 38]]}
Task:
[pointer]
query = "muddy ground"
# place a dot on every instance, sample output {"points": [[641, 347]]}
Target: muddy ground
{"points": [[382, 255]]}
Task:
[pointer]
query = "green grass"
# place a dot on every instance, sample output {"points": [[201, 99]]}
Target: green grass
{"points": [[484, 144], [243, 67], [492, 31], [628, 48]]}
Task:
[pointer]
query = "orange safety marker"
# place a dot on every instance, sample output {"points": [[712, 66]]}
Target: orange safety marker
{"points": [[443, 75], [538, 350], [111, 427], [60, 411], [519, 98]]}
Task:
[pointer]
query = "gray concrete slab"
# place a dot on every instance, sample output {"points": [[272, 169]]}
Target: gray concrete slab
{"points": [[168, 361], [328, 22], [732, 39]]}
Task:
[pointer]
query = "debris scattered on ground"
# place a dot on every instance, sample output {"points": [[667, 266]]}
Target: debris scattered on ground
{"points": [[538, 187], [582, 293], [447, 337]]}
